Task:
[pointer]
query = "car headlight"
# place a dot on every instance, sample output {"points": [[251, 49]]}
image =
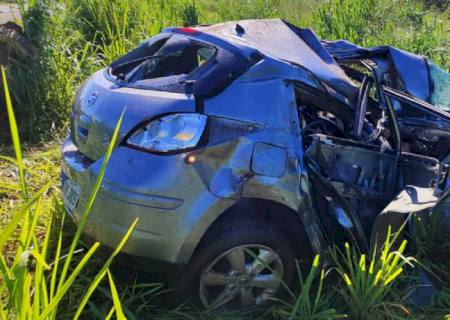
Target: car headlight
{"points": [[170, 133]]}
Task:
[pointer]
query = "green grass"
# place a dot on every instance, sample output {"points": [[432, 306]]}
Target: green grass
{"points": [[42, 91], [368, 283], [33, 289]]}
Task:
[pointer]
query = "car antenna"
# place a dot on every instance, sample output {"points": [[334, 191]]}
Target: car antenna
{"points": [[239, 29]]}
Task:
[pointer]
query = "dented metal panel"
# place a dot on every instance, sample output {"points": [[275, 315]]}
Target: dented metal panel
{"points": [[279, 40]]}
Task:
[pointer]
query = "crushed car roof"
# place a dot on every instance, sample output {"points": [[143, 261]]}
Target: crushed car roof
{"points": [[279, 39], [241, 44], [284, 41]]}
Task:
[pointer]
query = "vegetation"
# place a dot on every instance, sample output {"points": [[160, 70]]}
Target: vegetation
{"points": [[34, 289], [368, 284], [45, 274], [43, 88]]}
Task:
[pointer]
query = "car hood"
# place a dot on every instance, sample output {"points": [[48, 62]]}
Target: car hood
{"points": [[99, 104]]}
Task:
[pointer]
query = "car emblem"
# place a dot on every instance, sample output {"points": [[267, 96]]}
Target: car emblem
{"points": [[92, 98]]}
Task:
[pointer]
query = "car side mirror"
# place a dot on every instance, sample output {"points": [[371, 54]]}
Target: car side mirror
{"points": [[361, 108]]}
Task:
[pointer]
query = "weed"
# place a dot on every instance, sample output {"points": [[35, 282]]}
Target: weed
{"points": [[311, 303], [368, 282]]}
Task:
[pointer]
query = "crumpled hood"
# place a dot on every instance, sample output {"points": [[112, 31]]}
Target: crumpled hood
{"points": [[99, 104]]}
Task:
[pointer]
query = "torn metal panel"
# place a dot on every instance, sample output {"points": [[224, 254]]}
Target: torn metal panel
{"points": [[412, 199]]}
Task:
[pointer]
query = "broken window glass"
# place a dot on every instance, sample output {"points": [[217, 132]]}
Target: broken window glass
{"points": [[178, 63], [440, 93], [176, 58]]}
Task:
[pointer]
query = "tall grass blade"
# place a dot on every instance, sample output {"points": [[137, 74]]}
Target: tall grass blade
{"points": [[116, 299], [17, 217], [110, 313], [51, 307], [101, 274], [37, 210], [40, 259], [56, 261], [2, 313], [14, 134]]}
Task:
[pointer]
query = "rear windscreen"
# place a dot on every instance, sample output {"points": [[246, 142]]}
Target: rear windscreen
{"points": [[177, 63]]}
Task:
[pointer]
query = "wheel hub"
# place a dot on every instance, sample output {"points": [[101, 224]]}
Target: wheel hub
{"points": [[244, 275]]}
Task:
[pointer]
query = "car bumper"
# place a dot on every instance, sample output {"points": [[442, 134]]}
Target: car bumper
{"points": [[164, 192]]}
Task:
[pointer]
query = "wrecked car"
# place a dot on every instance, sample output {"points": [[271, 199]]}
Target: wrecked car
{"points": [[248, 144]]}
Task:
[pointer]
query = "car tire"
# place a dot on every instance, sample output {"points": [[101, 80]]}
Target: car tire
{"points": [[217, 266]]}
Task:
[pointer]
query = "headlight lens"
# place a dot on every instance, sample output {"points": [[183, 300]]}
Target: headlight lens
{"points": [[170, 133]]}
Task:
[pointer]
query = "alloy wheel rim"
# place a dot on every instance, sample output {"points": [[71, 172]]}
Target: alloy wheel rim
{"points": [[245, 275]]}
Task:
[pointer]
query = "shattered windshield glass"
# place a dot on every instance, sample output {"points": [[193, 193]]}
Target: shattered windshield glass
{"points": [[440, 93]]}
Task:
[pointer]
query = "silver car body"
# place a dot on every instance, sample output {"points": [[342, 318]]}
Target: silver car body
{"points": [[254, 150]]}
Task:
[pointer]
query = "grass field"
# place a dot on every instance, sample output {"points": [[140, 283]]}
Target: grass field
{"points": [[42, 91]]}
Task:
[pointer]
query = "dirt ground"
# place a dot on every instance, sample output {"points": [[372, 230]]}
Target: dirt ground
{"points": [[8, 11]]}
